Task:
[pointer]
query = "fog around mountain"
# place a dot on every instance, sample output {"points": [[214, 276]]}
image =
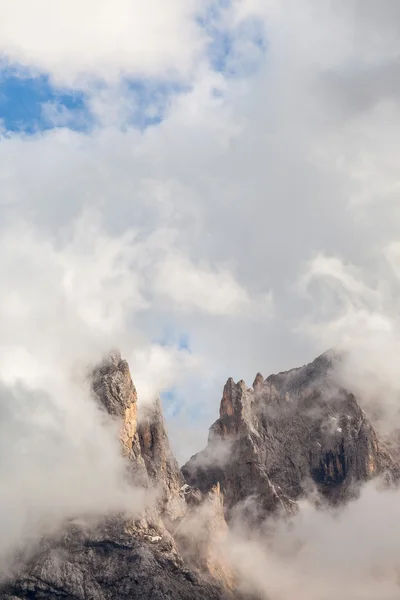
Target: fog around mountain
{"points": [[211, 188]]}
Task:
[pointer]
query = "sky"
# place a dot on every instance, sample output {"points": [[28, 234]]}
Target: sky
{"points": [[211, 186]]}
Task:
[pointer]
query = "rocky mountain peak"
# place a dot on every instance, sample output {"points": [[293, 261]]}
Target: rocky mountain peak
{"points": [[236, 410], [151, 557], [161, 465], [113, 386], [290, 433], [114, 390], [258, 383]]}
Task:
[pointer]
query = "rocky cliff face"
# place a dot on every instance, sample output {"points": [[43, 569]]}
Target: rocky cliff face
{"points": [[288, 435], [143, 558]]}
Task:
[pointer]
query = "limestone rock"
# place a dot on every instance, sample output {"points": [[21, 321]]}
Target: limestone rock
{"points": [[289, 434], [201, 533], [119, 559], [108, 565], [161, 465]]}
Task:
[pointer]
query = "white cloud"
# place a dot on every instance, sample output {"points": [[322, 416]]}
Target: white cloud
{"points": [[66, 301], [248, 185], [86, 288], [198, 288], [58, 454], [243, 182], [356, 311], [350, 553], [62, 305], [158, 368], [73, 41]]}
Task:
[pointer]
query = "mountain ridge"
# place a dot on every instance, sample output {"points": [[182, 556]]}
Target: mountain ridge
{"points": [[287, 437]]}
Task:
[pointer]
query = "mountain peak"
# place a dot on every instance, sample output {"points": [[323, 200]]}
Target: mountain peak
{"points": [[151, 555], [292, 431], [258, 382]]}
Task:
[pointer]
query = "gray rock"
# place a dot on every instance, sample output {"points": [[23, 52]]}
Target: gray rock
{"points": [[119, 559], [288, 435], [111, 564], [161, 465]]}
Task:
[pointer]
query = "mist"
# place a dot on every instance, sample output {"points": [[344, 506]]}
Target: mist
{"points": [[60, 461], [60, 453], [212, 188], [349, 553]]}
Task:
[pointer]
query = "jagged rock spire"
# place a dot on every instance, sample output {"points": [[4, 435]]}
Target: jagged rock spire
{"points": [[258, 383], [161, 464], [122, 559], [288, 433], [144, 441]]}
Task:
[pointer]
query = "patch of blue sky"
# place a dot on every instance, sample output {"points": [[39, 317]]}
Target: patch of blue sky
{"points": [[235, 51], [150, 100], [183, 342], [172, 403], [171, 338], [30, 104], [176, 405], [172, 400]]}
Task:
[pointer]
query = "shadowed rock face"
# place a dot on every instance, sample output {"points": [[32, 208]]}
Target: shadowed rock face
{"points": [[289, 434], [110, 564], [161, 465]]}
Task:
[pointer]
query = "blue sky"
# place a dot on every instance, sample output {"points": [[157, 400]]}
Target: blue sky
{"points": [[23, 100], [32, 102], [226, 48]]}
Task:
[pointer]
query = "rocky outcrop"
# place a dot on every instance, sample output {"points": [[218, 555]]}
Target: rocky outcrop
{"points": [[290, 434], [201, 532], [110, 564], [122, 559], [161, 465], [114, 390]]}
